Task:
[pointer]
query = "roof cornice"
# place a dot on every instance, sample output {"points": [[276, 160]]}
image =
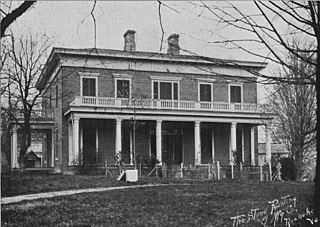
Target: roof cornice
{"points": [[58, 52], [153, 56]]}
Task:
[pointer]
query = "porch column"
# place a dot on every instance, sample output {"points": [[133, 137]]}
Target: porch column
{"points": [[268, 143], [197, 148], [118, 135], [81, 143], [159, 141], [76, 139], [131, 148], [212, 144], [71, 152], [233, 140], [14, 148], [252, 146]]}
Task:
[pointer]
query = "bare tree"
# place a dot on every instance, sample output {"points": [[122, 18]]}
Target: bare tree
{"points": [[295, 109], [273, 27], [137, 101], [20, 73]]}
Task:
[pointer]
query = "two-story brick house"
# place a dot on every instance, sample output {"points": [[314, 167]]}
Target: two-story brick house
{"points": [[188, 109]]}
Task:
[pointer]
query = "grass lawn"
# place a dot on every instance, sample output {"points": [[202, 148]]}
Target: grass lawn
{"points": [[14, 184], [198, 203]]}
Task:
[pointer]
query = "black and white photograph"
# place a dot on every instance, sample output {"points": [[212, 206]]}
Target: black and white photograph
{"points": [[160, 113]]}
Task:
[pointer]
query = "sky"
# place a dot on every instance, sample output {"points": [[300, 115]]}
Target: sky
{"points": [[69, 24]]}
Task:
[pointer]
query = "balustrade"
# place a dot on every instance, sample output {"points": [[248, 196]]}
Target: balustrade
{"points": [[165, 104]]}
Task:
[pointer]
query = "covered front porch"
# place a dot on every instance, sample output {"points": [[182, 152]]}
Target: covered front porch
{"points": [[40, 155], [98, 141]]}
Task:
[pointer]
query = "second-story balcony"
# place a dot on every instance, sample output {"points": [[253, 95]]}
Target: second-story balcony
{"points": [[166, 104]]}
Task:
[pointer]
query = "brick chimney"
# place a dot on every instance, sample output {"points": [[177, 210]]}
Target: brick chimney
{"points": [[173, 45], [129, 41]]}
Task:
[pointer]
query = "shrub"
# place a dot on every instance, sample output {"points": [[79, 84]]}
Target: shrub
{"points": [[287, 168]]}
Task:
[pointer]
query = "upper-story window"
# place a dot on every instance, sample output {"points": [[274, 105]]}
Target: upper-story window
{"points": [[235, 93], [205, 92], [89, 83], [89, 86], [165, 87], [122, 85], [165, 90], [122, 88]]}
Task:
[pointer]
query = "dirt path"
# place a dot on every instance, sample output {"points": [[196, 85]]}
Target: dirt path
{"points": [[16, 199]]}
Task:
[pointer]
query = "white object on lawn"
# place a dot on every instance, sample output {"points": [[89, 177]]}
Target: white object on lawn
{"points": [[132, 175]]}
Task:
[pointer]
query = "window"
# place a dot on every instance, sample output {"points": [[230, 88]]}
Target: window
{"points": [[235, 94], [88, 86], [165, 90], [123, 88], [205, 92]]}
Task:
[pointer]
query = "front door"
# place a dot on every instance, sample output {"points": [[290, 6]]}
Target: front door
{"points": [[206, 145], [89, 143], [172, 149]]}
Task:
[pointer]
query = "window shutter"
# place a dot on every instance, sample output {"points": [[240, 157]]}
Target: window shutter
{"points": [[175, 91], [155, 90]]}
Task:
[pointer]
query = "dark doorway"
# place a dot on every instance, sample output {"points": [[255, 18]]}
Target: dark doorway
{"points": [[48, 144], [172, 149], [153, 145], [206, 145], [125, 150], [89, 143]]}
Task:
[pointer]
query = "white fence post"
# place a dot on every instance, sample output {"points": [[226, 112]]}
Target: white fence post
{"points": [[181, 170], [270, 170], [261, 173], [218, 170], [232, 174]]}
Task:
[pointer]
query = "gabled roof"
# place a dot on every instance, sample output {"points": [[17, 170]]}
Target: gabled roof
{"points": [[56, 54]]}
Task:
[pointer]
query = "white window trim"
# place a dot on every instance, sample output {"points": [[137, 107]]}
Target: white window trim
{"points": [[172, 88], [165, 78], [122, 76], [90, 76], [115, 85], [236, 85], [208, 80], [205, 83]]}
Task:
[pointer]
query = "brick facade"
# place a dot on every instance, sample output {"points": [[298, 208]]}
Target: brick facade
{"points": [[99, 114]]}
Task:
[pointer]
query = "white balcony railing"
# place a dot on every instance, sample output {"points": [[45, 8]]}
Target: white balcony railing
{"points": [[165, 104]]}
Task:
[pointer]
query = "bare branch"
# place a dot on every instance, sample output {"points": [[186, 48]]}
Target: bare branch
{"points": [[11, 17], [161, 26]]}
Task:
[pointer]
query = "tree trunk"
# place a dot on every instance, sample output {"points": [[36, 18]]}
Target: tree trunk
{"points": [[298, 157], [25, 142], [317, 179]]}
